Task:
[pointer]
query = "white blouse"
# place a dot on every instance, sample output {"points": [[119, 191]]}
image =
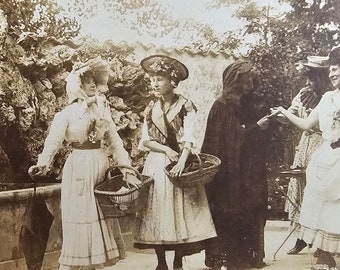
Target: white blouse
{"points": [[72, 124], [328, 106]]}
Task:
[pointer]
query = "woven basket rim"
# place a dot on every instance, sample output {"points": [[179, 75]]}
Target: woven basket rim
{"points": [[218, 162], [147, 180]]}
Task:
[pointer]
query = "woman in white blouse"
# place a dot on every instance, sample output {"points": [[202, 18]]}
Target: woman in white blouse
{"points": [[86, 123], [320, 210]]}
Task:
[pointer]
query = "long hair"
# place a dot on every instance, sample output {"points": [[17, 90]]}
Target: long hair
{"points": [[334, 56]]}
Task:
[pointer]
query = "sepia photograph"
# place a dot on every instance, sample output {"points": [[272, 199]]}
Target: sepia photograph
{"points": [[170, 134]]}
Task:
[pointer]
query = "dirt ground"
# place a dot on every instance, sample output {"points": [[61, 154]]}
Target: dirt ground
{"points": [[275, 233]]}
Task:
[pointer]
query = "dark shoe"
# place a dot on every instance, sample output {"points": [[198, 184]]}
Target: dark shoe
{"points": [[299, 245]]}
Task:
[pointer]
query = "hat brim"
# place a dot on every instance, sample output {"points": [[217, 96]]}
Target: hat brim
{"points": [[181, 69], [312, 65], [316, 61], [100, 69]]}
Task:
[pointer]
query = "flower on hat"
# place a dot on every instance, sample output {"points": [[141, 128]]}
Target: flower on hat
{"points": [[160, 66]]}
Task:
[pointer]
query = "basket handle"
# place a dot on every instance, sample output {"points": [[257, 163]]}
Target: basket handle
{"points": [[139, 176], [199, 160]]}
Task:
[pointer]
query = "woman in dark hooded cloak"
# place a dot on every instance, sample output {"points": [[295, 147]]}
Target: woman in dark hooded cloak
{"points": [[238, 193]]}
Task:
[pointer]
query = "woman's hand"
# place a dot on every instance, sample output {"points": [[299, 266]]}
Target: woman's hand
{"points": [[178, 168], [36, 170], [276, 110], [278, 116], [171, 154], [131, 179]]}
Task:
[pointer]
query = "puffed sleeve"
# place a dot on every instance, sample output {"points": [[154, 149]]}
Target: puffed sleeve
{"points": [[54, 139], [144, 137], [115, 146], [189, 122], [293, 108], [296, 103]]}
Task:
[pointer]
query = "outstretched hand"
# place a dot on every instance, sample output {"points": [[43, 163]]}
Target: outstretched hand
{"points": [[276, 110]]}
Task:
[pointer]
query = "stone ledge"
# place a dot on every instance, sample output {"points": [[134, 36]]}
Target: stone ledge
{"points": [[19, 195]]}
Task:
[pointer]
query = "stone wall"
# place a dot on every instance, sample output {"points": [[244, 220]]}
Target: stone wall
{"points": [[12, 209]]}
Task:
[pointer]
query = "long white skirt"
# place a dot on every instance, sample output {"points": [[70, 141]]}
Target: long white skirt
{"points": [[172, 215], [88, 239], [320, 211]]}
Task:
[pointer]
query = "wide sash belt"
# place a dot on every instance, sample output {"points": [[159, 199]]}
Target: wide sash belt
{"points": [[87, 145]]}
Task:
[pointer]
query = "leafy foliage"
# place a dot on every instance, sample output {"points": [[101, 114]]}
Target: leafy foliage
{"points": [[207, 40], [257, 18], [314, 24], [293, 39], [153, 19], [143, 16], [42, 17], [220, 3]]}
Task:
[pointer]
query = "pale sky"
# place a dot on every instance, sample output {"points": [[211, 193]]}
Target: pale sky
{"points": [[102, 27]]}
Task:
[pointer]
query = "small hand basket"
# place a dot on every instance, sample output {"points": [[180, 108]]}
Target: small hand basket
{"points": [[114, 204], [208, 167]]}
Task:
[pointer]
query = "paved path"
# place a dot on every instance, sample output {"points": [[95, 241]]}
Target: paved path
{"points": [[275, 233]]}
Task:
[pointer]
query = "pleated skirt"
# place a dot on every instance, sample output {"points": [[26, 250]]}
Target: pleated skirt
{"points": [[88, 238]]}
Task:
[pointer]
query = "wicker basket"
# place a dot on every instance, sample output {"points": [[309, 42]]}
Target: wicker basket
{"points": [[201, 176], [115, 204]]}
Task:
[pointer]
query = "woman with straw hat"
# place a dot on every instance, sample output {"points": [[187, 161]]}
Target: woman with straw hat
{"points": [[315, 70], [88, 241], [319, 217], [174, 218]]}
